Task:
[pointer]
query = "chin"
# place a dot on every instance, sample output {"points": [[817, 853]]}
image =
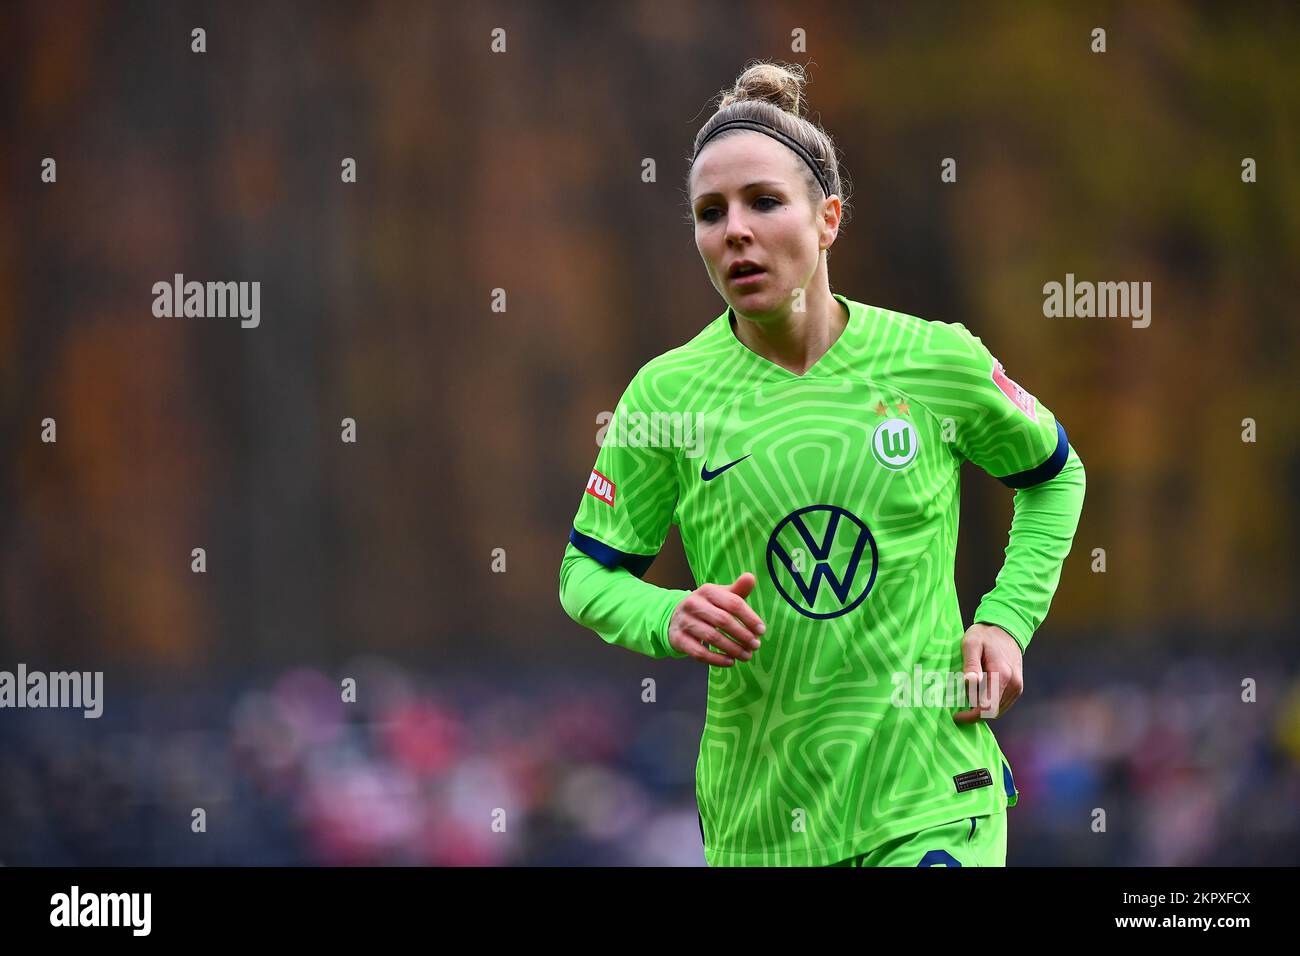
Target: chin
{"points": [[761, 301]]}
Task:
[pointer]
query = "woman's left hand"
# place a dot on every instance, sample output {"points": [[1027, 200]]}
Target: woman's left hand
{"points": [[988, 650]]}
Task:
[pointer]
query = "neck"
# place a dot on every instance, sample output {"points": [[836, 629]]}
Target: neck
{"points": [[795, 340]]}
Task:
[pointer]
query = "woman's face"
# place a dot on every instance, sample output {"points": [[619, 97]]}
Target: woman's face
{"points": [[750, 200]]}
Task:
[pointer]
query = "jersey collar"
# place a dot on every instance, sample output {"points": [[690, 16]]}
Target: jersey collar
{"points": [[828, 358]]}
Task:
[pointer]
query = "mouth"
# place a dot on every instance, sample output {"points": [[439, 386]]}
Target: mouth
{"points": [[746, 274]]}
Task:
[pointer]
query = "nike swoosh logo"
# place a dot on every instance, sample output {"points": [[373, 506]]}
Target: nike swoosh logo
{"points": [[707, 475]]}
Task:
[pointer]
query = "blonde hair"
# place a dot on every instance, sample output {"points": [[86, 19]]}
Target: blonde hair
{"points": [[772, 93]]}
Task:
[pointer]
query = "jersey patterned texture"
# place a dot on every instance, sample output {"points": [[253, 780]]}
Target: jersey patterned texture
{"points": [[839, 490]]}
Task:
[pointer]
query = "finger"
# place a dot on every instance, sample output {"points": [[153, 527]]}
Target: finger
{"points": [[705, 634], [968, 716], [1005, 682], [744, 584], [992, 692], [695, 649], [736, 606], [971, 652], [1010, 695], [733, 628]]}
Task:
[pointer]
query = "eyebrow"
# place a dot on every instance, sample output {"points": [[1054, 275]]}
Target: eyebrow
{"points": [[762, 182]]}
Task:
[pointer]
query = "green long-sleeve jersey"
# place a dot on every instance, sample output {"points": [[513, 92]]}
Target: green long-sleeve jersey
{"points": [[838, 489]]}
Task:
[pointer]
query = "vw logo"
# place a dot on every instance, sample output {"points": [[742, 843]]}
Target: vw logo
{"points": [[799, 561]]}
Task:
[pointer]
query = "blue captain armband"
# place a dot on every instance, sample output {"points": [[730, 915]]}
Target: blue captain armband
{"points": [[638, 564], [1047, 470]]}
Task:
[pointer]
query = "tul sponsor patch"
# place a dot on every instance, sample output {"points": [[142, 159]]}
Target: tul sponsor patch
{"points": [[973, 780], [601, 487], [1019, 397]]}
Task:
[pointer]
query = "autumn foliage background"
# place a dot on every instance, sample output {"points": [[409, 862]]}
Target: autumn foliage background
{"points": [[476, 429]]}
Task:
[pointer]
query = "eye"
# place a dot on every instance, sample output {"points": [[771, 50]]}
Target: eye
{"points": [[706, 217]]}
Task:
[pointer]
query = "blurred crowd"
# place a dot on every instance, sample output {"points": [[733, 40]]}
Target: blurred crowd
{"points": [[459, 771]]}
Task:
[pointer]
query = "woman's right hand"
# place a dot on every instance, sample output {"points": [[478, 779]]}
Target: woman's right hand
{"points": [[717, 615]]}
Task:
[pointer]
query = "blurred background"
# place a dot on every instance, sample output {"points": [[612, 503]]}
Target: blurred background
{"points": [[476, 429]]}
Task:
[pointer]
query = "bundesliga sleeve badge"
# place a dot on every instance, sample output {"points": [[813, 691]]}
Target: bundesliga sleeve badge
{"points": [[1018, 396]]}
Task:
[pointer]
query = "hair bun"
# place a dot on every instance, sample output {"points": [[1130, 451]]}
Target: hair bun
{"points": [[780, 84]]}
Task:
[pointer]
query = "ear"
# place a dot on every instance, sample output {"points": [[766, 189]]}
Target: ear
{"points": [[829, 224]]}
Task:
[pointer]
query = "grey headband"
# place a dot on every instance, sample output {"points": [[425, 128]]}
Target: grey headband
{"points": [[759, 126]]}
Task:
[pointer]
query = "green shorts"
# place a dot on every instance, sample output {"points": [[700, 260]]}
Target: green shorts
{"points": [[973, 841]]}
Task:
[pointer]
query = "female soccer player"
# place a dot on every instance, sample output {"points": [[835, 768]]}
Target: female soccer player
{"points": [[808, 446]]}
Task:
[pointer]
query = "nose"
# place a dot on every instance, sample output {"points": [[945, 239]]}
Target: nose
{"points": [[738, 231]]}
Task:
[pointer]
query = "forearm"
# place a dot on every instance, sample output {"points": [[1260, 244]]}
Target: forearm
{"points": [[1042, 530], [617, 605]]}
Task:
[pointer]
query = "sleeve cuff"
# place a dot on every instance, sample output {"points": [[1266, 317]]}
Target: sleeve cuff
{"points": [[674, 598], [992, 612]]}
